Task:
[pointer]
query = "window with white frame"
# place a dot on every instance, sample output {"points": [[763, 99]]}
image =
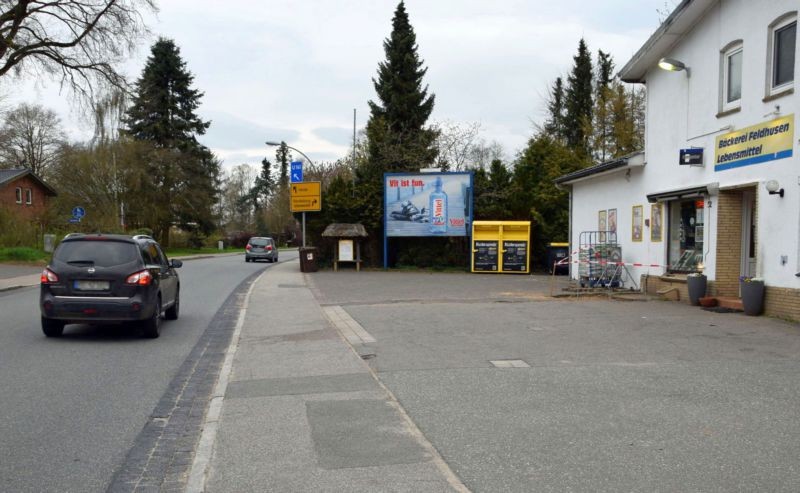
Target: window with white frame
{"points": [[19, 195], [28, 196], [782, 46], [732, 76]]}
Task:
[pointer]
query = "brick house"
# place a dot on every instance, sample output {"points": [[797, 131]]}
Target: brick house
{"points": [[23, 193]]}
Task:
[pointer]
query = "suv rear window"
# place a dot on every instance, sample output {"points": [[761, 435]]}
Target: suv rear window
{"points": [[259, 241], [100, 253]]}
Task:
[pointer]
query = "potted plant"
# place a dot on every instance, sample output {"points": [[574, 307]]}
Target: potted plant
{"points": [[752, 289], [696, 282]]}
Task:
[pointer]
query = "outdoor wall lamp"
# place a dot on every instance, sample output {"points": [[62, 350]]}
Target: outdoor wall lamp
{"points": [[673, 65], [774, 188]]}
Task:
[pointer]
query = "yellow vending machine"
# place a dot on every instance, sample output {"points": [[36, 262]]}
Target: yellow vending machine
{"points": [[501, 246]]}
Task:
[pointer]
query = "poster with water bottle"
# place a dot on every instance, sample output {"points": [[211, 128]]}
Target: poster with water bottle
{"points": [[428, 204]]}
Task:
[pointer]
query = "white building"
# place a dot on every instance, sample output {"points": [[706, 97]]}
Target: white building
{"points": [[733, 95]]}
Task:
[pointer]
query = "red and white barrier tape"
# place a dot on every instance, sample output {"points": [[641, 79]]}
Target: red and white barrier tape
{"points": [[566, 260]]}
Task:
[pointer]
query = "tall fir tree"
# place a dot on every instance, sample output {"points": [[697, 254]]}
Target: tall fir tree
{"points": [[184, 175], [396, 132], [554, 126], [602, 116], [397, 136], [283, 156], [578, 101]]}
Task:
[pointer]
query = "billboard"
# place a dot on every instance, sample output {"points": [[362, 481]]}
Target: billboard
{"points": [[427, 204]]}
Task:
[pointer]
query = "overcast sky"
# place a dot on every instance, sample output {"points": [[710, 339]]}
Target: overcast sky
{"points": [[294, 70]]}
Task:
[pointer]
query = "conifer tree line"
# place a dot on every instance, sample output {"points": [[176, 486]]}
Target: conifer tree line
{"points": [[146, 168]]}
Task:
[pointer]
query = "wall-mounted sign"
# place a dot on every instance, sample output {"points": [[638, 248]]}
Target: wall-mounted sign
{"points": [[692, 156], [760, 143]]}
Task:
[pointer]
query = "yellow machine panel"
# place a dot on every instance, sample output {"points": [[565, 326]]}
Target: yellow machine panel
{"points": [[501, 247]]}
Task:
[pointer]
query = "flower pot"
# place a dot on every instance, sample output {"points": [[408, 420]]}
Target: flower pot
{"points": [[752, 297], [697, 288]]}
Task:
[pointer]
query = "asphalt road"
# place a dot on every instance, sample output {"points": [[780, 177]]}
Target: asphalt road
{"points": [[71, 408], [613, 396]]}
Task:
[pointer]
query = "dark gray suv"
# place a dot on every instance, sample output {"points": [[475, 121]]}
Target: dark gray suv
{"points": [[99, 278]]}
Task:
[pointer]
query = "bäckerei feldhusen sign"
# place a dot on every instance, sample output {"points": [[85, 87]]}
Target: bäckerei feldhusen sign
{"points": [[760, 143]]}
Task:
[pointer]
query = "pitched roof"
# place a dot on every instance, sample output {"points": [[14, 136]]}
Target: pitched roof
{"points": [[634, 159], [9, 175], [345, 230], [679, 23]]}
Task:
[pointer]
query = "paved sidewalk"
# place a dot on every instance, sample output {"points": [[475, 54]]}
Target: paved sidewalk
{"points": [[303, 412]]}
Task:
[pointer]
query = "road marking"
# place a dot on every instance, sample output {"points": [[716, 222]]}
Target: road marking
{"points": [[509, 363], [205, 448]]}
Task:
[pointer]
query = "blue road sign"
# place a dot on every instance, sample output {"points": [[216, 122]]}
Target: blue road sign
{"points": [[297, 172], [78, 212]]}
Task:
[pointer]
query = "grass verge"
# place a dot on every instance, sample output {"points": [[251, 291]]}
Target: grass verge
{"points": [[23, 255]]}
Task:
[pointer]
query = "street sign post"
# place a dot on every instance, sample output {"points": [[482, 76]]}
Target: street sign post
{"points": [[296, 175], [305, 197], [77, 214]]}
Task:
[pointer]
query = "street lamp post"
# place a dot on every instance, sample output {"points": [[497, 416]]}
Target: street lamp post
{"points": [[275, 144]]}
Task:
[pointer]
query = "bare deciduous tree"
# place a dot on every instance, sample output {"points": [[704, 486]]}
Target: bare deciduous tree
{"points": [[31, 137], [454, 142], [77, 42]]}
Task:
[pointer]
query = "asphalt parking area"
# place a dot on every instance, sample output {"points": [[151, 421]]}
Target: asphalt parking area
{"points": [[613, 396]]}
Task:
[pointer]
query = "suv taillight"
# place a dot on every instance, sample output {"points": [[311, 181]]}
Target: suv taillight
{"points": [[269, 248], [248, 247], [141, 278], [48, 277]]}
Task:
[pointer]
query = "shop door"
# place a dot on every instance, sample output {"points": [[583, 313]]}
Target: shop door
{"points": [[748, 267]]}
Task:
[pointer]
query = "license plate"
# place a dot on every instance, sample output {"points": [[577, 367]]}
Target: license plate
{"points": [[91, 285]]}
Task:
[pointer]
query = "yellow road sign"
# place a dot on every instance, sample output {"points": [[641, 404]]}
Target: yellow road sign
{"points": [[305, 196]]}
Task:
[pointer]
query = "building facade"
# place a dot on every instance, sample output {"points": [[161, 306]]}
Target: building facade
{"points": [[717, 189], [24, 194]]}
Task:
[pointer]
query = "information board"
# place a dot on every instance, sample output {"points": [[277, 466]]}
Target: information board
{"points": [[515, 256], [484, 256]]}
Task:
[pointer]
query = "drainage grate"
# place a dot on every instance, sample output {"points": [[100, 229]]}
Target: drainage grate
{"points": [[509, 363]]}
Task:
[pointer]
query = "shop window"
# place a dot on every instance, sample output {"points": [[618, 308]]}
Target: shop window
{"points": [[732, 76], [686, 235], [782, 44], [28, 196], [19, 195]]}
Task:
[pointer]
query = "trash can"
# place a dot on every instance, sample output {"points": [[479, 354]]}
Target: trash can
{"points": [[555, 253], [308, 259], [696, 285]]}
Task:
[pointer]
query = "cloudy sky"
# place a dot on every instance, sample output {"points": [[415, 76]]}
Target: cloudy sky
{"points": [[295, 70]]}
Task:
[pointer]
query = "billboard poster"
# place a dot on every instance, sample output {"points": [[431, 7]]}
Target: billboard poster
{"points": [[427, 204]]}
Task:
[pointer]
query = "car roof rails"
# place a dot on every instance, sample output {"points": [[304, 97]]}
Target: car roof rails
{"points": [[73, 235], [143, 237]]}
